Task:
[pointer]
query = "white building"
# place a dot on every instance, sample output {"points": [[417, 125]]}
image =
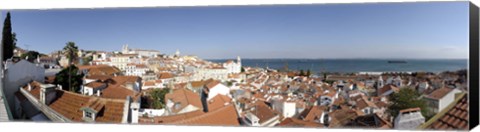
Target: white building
{"points": [[233, 67], [19, 74], [287, 108], [136, 70], [409, 119], [121, 61], [217, 73], [141, 52], [215, 87], [440, 98]]}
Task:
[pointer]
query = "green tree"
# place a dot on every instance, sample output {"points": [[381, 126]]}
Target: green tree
{"points": [[158, 98], [70, 50], [32, 55], [302, 73], [69, 78], [404, 99], [242, 70], [308, 72], [8, 38], [87, 60]]}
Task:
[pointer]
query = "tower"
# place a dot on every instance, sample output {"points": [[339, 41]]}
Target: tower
{"points": [[125, 49], [239, 61], [177, 53], [380, 82], [239, 65]]}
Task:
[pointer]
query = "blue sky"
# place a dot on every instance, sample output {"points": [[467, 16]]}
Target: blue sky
{"points": [[381, 30]]}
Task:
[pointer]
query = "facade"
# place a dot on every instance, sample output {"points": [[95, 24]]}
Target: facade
{"points": [[440, 99], [233, 67], [141, 52]]}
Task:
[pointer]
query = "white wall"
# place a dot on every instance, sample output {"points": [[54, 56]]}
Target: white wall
{"points": [[20, 74], [447, 99], [289, 109], [218, 89]]}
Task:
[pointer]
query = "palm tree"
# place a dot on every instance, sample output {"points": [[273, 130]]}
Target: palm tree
{"points": [[70, 50]]}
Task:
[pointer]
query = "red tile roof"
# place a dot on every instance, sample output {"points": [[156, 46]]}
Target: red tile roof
{"points": [[439, 93], [387, 88], [69, 105], [218, 101], [184, 97], [225, 116], [455, 117], [292, 122]]}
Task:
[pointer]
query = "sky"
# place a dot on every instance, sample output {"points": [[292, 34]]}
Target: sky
{"points": [[374, 30]]}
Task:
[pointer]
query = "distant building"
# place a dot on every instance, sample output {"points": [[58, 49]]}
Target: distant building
{"points": [[141, 52], [233, 67]]}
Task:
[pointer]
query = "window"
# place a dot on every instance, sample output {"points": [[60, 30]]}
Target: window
{"points": [[88, 115]]}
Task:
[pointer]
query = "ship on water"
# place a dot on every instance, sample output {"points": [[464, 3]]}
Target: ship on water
{"points": [[397, 61]]}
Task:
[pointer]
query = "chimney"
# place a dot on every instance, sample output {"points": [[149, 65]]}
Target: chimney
{"points": [[29, 87], [47, 93]]}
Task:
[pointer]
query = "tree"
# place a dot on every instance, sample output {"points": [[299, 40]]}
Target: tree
{"points": [[302, 73], [70, 50], [308, 72], [87, 60], [32, 55], [8, 38], [242, 70], [69, 78], [158, 97], [404, 99]]}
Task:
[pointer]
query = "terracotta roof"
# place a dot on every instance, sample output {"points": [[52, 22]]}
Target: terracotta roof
{"points": [[225, 116], [184, 97], [197, 84], [454, 118], [363, 103], [218, 101], [95, 104], [50, 79], [387, 88], [99, 77], [410, 110], [35, 89], [100, 69], [263, 112], [165, 75], [292, 122], [212, 84], [122, 80], [369, 121], [170, 119], [149, 83], [118, 92], [314, 113], [341, 117], [95, 85], [439, 93], [69, 105]]}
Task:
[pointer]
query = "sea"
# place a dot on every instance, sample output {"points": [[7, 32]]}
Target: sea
{"points": [[358, 65]]}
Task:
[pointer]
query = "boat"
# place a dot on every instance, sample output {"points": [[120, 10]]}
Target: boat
{"points": [[397, 61]]}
